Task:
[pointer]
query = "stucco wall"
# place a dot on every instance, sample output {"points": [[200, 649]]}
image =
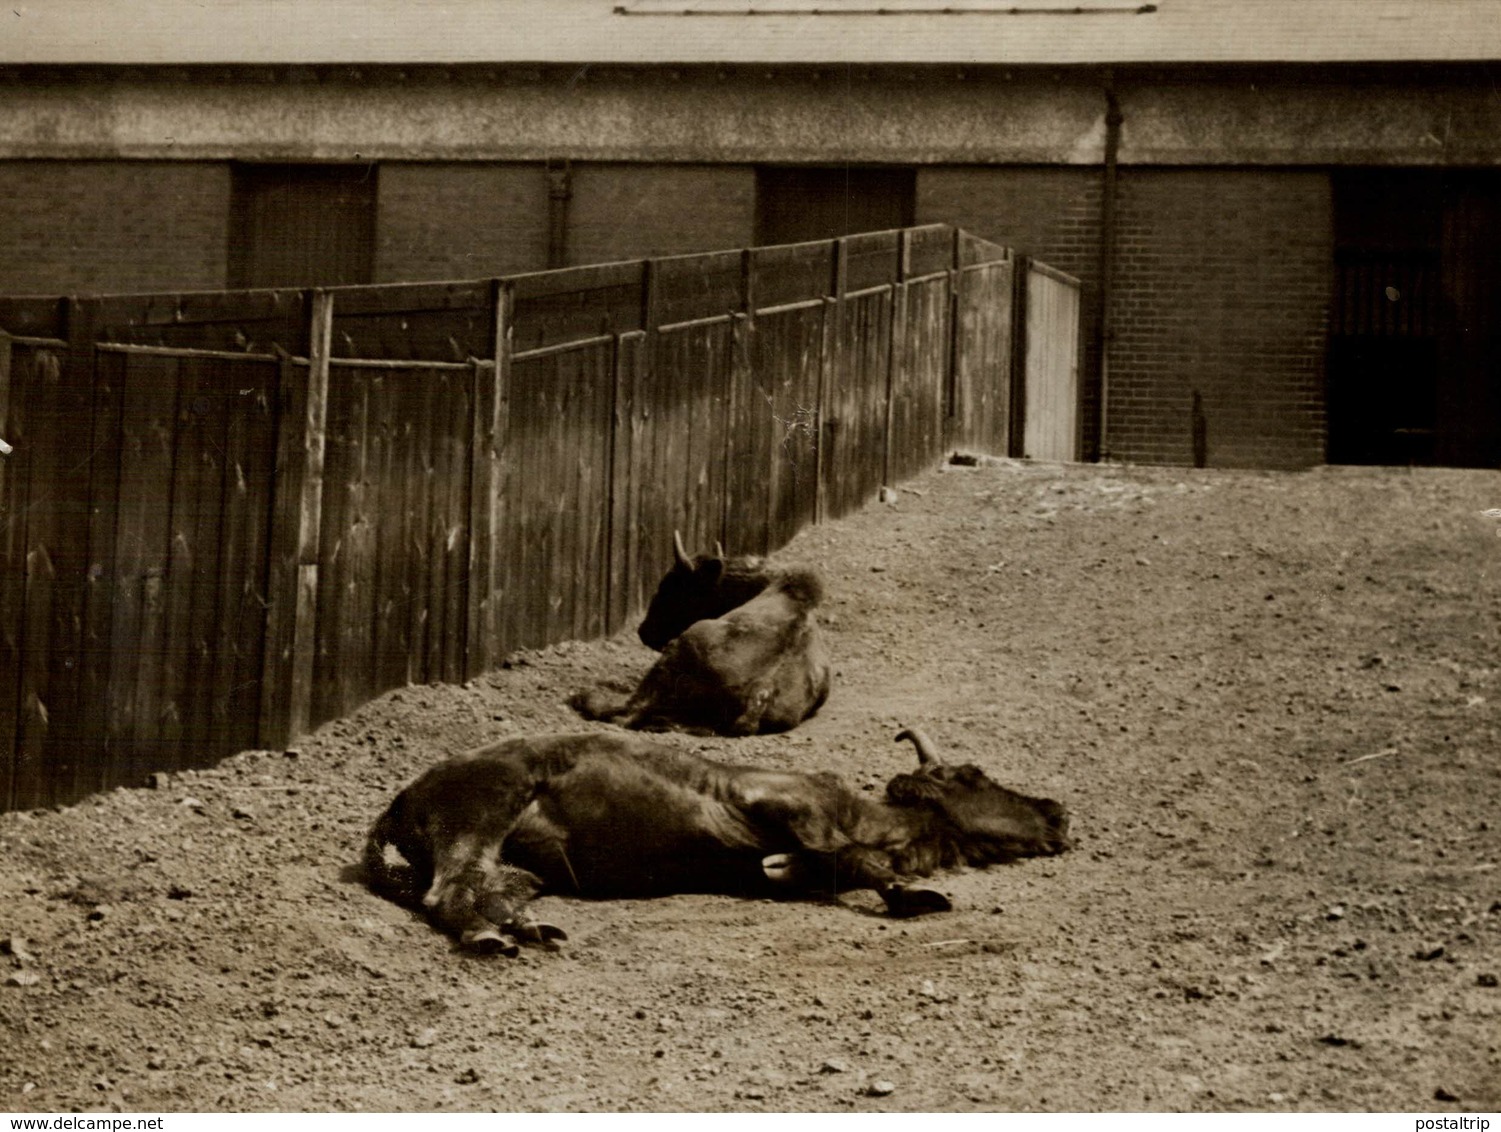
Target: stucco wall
{"points": [[1300, 116], [675, 115]]}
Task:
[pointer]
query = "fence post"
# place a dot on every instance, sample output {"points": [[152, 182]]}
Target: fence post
{"points": [[742, 327], [296, 519], [955, 416], [828, 357], [1017, 424], [491, 404], [896, 346], [12, 559], [625, 482]]}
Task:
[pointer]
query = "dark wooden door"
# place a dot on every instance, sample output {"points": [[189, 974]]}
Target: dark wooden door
{"points": [[1468, 408], [1414, 363], [302, 225], [798, 203]]}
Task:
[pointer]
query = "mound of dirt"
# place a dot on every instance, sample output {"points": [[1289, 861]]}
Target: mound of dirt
{"points": [[1268, 699]]}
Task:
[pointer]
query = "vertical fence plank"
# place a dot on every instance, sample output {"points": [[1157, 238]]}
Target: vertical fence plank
{"points": [[148, 401], [14, 381], [1018, 410], [102, 769], [286, 701], [56, 564], [479, 633], [417, 483], [457, 436], [249, 454], [627, 582], [390, 450]]}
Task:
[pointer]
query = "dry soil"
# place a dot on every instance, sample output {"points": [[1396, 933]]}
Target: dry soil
{"points": [[1270, 701]]}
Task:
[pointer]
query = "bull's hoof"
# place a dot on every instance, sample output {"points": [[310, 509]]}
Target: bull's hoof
{"points": [[907, 902], [489, 941], [534, 932]]}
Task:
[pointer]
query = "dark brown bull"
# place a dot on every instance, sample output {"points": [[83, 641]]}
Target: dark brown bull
{"points": [[741, 651], [610, 815]]}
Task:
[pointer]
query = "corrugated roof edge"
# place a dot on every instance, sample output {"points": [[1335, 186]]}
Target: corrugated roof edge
{"points": [[363, 32]]}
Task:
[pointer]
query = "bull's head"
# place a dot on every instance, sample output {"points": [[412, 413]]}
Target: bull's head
{"points": [[989, 822], [691, 591]]}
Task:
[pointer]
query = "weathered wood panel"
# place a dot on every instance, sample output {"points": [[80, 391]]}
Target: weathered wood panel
{"points": [[630, 586], [777, 411], [555, 559], [919, 381], [855, 401], [29, 377], [791, 273], [248, 393], [982, 359], [176, 617], [393, 552], [749, 445], [236, 321], [59, 406], [12, 550], [683, 403], [1051, 431], [292, 582]]}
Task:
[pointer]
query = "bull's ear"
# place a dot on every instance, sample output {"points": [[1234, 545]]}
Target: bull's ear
{"points": [[711, 570], [912, 790]]}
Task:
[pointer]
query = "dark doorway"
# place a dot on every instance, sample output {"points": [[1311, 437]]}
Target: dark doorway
{"points": [[302, 225], [1414, 366], [796, 203]]}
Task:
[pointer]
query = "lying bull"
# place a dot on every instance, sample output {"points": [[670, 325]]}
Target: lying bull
{"points": [[608, 815], [741, 651]]}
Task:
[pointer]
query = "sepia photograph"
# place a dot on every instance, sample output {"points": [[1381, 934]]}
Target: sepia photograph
{"points": [[750, 556]]}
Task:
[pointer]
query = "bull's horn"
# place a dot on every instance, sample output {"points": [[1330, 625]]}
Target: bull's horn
{"points": [[677, 549], [718, 549], [926, 754]]}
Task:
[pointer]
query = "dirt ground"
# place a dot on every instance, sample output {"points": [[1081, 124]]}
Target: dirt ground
{"points": [[1270, 701]]}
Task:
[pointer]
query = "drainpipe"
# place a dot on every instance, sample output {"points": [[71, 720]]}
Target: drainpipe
{"points": [[559, 193], [1103, 331]]}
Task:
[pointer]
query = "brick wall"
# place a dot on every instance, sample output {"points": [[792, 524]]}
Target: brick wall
{"points": [[78, 226], [451, 220], [634, 211], [1050, 213], [1222, 285], [460, 221]]}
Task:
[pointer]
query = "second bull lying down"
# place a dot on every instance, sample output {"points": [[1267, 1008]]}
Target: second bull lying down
{"points": [[741, 651], [605, 815]]}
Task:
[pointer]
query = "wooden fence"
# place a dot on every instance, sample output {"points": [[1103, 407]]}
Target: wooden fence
{"points": [[229, 517]]}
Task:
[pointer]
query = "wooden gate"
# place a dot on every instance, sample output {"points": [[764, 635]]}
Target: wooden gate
{"points": [[1051, 394]]}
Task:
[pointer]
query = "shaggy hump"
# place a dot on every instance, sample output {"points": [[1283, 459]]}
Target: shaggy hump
{"points": [[804, 587]]}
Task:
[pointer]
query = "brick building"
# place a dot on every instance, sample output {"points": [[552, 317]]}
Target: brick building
{"points": [[1287, 212]]}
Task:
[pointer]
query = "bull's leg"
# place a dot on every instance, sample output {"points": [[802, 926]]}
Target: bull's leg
{"points": [[869, 868], [503, 904], [482, 900], [749, 721]]}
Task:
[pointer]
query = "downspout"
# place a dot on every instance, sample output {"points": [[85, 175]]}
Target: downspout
{"points": [[559, 193], [1104, 333]]}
